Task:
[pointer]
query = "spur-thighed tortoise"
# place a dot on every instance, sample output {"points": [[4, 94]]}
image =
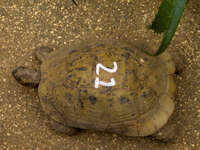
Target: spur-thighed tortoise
{"points": [[108, 86]]}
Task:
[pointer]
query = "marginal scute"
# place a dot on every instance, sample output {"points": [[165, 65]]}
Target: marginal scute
{"points": [[171, 87], [169, 63], [157, 117]]}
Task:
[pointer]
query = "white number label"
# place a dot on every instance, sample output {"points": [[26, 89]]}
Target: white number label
{"points": [[98, 66], [112, 80]]}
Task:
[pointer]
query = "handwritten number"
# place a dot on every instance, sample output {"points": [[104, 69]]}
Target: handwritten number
{"points": [[112, 80], [98, 66]]}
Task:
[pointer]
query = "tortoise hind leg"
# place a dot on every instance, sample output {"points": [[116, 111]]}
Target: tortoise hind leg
{"points": [[60, 128], [26, 76], [42, 52], [169, 132]]}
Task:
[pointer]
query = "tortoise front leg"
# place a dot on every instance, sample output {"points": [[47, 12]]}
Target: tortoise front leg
{"points": [[26, 76], [42, 53], [60, 128]]}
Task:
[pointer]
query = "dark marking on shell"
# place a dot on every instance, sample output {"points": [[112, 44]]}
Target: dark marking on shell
{"points": [[110, 100], [69, 76], [85, 91], [101, 45], [68, 96], [79, 99], [93, 80], [72, 51], [73, 61], [77, 83], [93, 68], [126, 55], [134, 72], [82, 69], [133, 115], [128, 49], [144, 94], [125, 79], [108, 89], [65, 85], [123, 100], [92, 99], [69, 71], [69, 83]]}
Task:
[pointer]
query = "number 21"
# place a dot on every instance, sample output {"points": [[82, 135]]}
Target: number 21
{"points": [[112, 80]]}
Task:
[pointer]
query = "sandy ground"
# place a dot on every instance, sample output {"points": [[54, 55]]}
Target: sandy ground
{"points": [[27, 24]]}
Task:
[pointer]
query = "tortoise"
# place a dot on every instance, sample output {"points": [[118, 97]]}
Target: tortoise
{"points": [[106, 86]]}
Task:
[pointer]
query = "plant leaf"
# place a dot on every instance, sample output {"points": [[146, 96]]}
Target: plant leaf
{"points": [[167, 23], [162, 19]]}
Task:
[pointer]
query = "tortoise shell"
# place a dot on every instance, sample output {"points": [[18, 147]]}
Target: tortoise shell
{"points": [[108, 86]]}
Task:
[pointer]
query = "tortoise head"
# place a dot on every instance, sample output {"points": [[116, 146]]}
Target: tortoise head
{"points": [[31, 77], [27, 76]]}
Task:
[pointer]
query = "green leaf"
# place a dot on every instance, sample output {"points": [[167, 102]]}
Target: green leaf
{"points": [[74, 2], [167, 20], [161, 22]]}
